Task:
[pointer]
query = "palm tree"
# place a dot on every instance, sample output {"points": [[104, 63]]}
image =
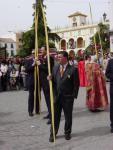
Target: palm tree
{"points": [[103, 35], [103, 32]]}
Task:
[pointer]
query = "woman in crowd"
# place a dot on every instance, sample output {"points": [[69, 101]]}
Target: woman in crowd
{"points": [[72, 59], [4, 69], [23, 74]]}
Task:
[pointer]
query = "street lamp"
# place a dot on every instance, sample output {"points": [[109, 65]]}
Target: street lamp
{"points": [[104, 17]]}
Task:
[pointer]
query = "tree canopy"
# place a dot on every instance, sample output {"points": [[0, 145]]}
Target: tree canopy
{"points": [[28, 38], [101, 38]]}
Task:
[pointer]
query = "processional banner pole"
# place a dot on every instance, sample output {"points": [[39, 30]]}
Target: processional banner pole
{"points": [[94, 35]]}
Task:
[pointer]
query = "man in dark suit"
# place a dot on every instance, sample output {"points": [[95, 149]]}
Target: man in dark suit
{"points": [[43, 69], [66, 85], [30, 65], [109, 75]]}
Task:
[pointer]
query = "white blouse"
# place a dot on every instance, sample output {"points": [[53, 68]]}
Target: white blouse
{"points": [[3, 68]]}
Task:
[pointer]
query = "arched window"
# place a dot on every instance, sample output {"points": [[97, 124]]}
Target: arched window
{"points": [[71, 44], [63, 44], [80, 42]]}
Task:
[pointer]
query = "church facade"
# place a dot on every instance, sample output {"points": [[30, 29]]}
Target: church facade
{"points": [[78, 35]]}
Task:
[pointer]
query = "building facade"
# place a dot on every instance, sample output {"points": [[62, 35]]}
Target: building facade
{"points": [[12, 41], [10, 46], [78, 35]]}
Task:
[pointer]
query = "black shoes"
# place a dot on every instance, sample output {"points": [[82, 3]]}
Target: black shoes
{"points": [[25, 89], [111, 130], [31, 114], [49, 122], [51, 139], [67, 136], [37, 112], [46, 117]]}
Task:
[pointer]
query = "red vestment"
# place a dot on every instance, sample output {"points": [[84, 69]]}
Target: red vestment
{"points": [[96, 95]]}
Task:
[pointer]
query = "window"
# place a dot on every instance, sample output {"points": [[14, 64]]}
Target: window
{"points": [[74, 24], [12, 53], [12, 45], [80, 42], [5, 45], [63, 44], [71, 44], [82, 23]]}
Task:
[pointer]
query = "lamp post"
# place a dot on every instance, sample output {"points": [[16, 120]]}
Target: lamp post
{"points": [[104, 17]]}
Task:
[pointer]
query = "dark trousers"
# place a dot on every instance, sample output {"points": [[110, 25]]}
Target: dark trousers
{"points": [[26, 82], [46, 91], [31, 101], [67, 106], [111, 104], [4, 82], [0, 85]]}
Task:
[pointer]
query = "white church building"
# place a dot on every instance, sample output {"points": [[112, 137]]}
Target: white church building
{"points": [[78, 35]]}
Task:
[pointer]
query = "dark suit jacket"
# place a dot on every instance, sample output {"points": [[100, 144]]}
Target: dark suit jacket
{"points": [[30, 72], [68, 85], [43, 69], [109, 70]]}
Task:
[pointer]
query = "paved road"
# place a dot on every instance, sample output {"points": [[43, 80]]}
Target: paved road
{"points": [[20, 132]]}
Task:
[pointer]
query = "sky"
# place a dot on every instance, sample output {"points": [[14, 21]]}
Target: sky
{"points": [[16, 15]]}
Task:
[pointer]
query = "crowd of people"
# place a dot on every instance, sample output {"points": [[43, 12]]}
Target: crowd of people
{"points": [[13, 74], [68, 73]]}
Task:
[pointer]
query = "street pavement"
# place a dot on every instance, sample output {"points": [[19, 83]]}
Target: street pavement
{"points": [[18, 131]]}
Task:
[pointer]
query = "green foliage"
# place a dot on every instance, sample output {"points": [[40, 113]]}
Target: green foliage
{"points": [[22, 52], [28, 38], [103, 35], [28, 41]]}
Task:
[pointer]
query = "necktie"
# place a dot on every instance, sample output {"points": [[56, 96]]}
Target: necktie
{"points": [[61, 70]]}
